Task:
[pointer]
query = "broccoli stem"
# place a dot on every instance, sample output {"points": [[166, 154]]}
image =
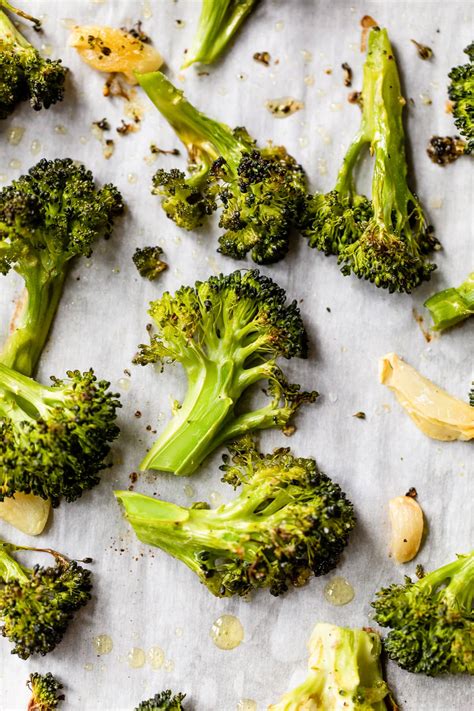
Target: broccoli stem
{"points": [[22, 398], [345, 183], [458, 577], [8, 31], [10, 569], [451, 306]]}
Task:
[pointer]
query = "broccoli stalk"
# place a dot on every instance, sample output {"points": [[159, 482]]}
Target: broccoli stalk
{"points": [[461, 92], [345, 673], [289, 522], [259, 191], [44, 692], [218, 23], [163, 701], [37, 604], [385, 239], [430, 620], [47, 217], [451, 306], [227, 333]]}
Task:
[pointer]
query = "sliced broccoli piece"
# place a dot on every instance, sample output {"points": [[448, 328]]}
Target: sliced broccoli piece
{"points": [[148, 262], [430, 620], [54, 439], [44, 692], [227, 332], [443, 150], [259, 191], [37, 604], [164, 701], [289, 522], [461, 91], [24, 73], [386, 239], [47, 217], [344, 673], [218, 23], [451, 306]]}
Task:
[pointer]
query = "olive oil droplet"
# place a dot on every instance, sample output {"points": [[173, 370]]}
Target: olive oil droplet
{"points": [[136, 658], [103, 644], [227, 632], [339, 591], [247, 705], [156, 657]]}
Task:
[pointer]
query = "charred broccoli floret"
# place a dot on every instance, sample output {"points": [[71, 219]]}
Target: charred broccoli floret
{"points": [[54, 439], [384, 239], [461, 92], [259, 191], [164, 701], [148, 262], [45, 690], [227, 332], [289, 522], [37, 604], [344, 673], [47, 217], [451, 306], [430, 620], [218, 23], [24, 73], [443, 150]]}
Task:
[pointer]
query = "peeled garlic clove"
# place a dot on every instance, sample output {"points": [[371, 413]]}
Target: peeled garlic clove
{"points": [[406, 518], [26, 512]]}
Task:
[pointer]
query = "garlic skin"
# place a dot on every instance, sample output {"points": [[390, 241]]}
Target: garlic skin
{"points": [[406, 518]]}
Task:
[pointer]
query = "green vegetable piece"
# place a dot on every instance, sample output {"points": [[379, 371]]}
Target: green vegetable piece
{"points": [[451, 306], [461, 91], [148, 262], [164, 701], [44, 692]]}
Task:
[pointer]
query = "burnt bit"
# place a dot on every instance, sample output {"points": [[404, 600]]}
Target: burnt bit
{"points": [[366, 23], [155, 150], [203, 74], [360, 415], [444, 150], [138, 413], [419, 319], [114, 87], [288, 430], [412, 492], [355, 97], [424, 52], [103, 124], [137, 32], [262, 57], [347, 74], [125, 128], [419, 571]]}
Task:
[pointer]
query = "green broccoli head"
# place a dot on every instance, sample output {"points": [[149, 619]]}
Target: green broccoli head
{"points": [[163, 701], [37, 604], [148, 262], [289, 522], [461, 91], [186, 200], [430, 620], [25, 74], [45, 690], [54, 440], [227, 332]]}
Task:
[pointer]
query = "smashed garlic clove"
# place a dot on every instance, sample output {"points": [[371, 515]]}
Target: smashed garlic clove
{"points": [[406, 518], [26, 512]]}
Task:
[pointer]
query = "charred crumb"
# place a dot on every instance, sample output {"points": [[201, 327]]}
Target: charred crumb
{"points": [[127, 372], [137, 32], [424, 52], [419, 571], [328, 70], [360, 415], [203, 74], [262, 57], [154, 149], [328, 309], [347, 74], [125, 128], [114, 87], [109, 148], [138, 413], [103, 124], [289, 430], [444, 150], [355, 97], [412, 492]]}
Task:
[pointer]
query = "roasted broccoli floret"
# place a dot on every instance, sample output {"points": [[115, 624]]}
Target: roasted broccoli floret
{"points": [[445, 149], [289, 522], [54, 439], [47, 217], [461, 92], [344, 673], [218, 23], [24, 73], [259, 191], [451, 306], [148, 262], [164, 701], [430, 620], [227, 332], [45, 690], [37, 604], [384, 239]]}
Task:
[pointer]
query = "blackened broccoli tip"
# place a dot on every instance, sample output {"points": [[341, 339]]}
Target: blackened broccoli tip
{"points": [[47, 217], [228, 333], [344, 672], [218, 22], [260, 192], [24, 73], [430, 620], [46, 692], [37, 604], [163, 701], [288, 522], [148, 262], [384, 239], [450, 307], [444, 150], [54, 440], [461, 92]]}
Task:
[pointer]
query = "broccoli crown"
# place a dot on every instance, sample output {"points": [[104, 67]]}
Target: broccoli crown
{"points": [[163, 701], [44, 692], [452, 306], [443, 150], [461, 91], [148, 262], [37, 604], [54, 439], [385, 239], [260, 192], [24, 73], [345, 673], [227, 332], [289, 522], [430, 620]]}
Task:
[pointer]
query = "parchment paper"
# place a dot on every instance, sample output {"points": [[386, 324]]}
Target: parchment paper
{"points": [[142, 597]]}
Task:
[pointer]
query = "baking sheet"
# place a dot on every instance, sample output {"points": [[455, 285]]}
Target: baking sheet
{"points": [[143, 598]]}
